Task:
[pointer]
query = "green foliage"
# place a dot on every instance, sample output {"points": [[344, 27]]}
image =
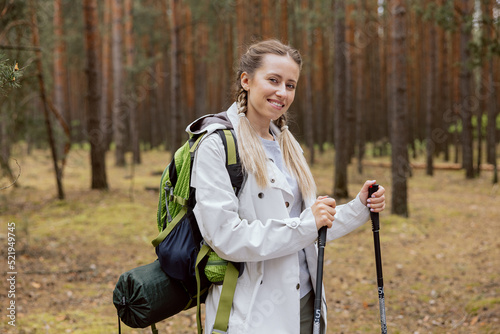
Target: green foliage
{"points": [[431, 12], [457, 127], [444, 16], [9, 74]]}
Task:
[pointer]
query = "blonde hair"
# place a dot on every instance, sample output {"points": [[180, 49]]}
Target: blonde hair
{"points": [[252, 154]]}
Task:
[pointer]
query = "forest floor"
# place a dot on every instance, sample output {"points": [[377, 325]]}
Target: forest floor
{"points": [[441, 265]]}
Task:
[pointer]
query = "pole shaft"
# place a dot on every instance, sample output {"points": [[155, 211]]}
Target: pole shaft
{"points": [[378, 261], [319, 280]]}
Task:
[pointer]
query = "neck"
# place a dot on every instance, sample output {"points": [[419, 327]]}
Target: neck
{"points": [[260, 126]]}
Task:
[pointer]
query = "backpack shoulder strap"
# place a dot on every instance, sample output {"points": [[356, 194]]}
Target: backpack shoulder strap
{"points": [[233, 163], [229, 141]]}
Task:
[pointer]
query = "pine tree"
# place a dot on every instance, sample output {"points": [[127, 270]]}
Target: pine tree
{"points": [[9, 74]]}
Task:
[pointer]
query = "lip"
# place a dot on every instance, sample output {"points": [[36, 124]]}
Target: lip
{"points": [[273, 103]]}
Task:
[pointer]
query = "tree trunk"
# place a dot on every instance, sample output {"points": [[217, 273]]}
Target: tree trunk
{"points": [[266, 19], [202, 69], [400, 164], [415, 74], [467, 105], [350, 82], [444, 104], [119, 112], [94, 114], [455, 97], [175, 118], [60, 73], [431, 95], [254, 13], [491, 100], [360, 60], [41, 82], [132, 94], [241, 18], [492, 116], [307, 102], [107, 92], [479, 117], [339, 84], [152, 99], [284, 20], [189, 78], [319, 85]]}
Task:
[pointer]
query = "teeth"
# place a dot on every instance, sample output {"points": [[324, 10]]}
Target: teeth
{"points": [[277, 104]]}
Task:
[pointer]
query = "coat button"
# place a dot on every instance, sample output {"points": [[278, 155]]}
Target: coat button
{"points": [[298, 286], [273, 180], [287, 204], [261, 195]]}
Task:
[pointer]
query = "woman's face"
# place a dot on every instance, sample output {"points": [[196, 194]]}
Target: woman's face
{"points": [[271, 90]]}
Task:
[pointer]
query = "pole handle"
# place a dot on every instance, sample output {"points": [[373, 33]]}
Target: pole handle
{"points": [[374, 215]]}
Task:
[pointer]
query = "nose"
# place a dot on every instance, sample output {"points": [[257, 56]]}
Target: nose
{"points": [[281, 91]]}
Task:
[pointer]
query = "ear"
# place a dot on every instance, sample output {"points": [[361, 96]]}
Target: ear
{"points": [[245, 81]]}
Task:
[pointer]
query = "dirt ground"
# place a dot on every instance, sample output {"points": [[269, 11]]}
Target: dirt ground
{"points": [[441, 265]]}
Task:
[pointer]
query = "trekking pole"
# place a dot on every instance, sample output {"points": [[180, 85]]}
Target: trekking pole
{"points": [[319, 280], [378, 261]]}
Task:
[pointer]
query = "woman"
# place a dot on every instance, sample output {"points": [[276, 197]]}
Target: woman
{"points": [[273, 224]]}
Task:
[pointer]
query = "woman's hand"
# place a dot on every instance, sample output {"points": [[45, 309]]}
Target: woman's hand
{"points": [[324, 211], [376, 203]]}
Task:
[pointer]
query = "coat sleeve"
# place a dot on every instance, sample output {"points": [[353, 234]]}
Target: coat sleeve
{"points": [[216, 212], [349, 217]]}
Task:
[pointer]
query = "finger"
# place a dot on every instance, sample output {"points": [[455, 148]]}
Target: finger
{"points": [[326, 214], [367, 184], [327, 221], [329, 201], [376, 205], [379, 192], [376, 200], [378, 208], [324, 209]]}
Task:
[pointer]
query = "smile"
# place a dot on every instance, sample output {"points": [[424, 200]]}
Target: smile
{"points": [[276, 103]]}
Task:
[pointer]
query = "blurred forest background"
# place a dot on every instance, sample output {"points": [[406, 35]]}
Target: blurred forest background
{"points": [[413, 78], [96, 95]]}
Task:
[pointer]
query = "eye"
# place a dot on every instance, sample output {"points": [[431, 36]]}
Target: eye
{"points": [[291, 86], [274, 80]]}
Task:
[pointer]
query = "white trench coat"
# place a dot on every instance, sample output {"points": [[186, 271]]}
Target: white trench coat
{"points": [[255, 228]]}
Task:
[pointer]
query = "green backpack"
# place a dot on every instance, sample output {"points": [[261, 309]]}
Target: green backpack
{"points": [[186, 266], [181, 251]]}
